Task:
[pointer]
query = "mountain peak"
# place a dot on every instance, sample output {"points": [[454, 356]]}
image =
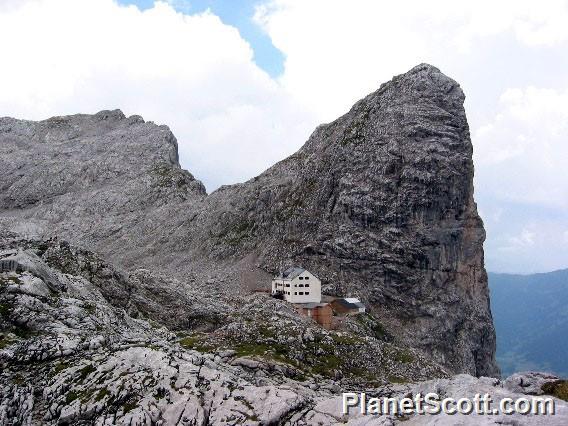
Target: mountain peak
{"points": [[378, 204]]}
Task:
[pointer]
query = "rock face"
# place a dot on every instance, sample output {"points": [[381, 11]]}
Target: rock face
{"points": [[379, 204], [70, 353]]}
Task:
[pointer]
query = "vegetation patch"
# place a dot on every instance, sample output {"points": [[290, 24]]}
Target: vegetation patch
{"points": [[268, 350], [267, 332], [90, 308], [7, 280], [60, 366], [102, 394], [559, 389], [86, 395], [5, 309], [85, 371], [251, 349], [373, 326], [345, 339], [238, 233], [5, 341], [326, 364], [17, 379], [23, 332], [403, 356], [354, 133], [197, 343], [130, 405], [70, 397], [396, 379]]}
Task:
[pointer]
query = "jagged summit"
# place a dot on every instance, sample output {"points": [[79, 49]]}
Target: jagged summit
{"points": [[379, 204]]}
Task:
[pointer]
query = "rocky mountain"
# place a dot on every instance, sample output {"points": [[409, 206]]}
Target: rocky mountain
{"points": [[531, 320], [378, 203], [75, 348], [78, 345]]}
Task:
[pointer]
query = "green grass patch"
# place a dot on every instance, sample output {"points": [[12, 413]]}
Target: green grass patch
{"points": [[397, 379], [90, 308], [5, 341], [85, 371], [197, 343], [373, 325], [70, 397], [129, 405], [5, 309], [60, 366], [325, 365], [86, 395], [267, 332], [345, 339], [559, 389], [10, 280], [102, 394], [23, 332], [403, 356], [250, 349], [17, 379]]}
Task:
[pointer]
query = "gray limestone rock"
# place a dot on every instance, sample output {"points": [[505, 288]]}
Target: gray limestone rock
{"points": [[73, 355], [379, 204], [530, 382]]}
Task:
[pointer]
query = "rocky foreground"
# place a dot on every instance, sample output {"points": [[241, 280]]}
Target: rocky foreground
{"points": [[128, 294], [78, 346], [378, 204]]}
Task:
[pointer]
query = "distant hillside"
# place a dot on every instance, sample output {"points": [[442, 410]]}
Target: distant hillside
{"points": [[531, 320]]}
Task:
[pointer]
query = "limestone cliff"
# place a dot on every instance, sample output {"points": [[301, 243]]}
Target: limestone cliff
{"points": [[378, 203]]}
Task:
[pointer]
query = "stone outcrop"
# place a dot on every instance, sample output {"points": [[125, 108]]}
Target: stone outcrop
{"points": [[379, 204], [89, 352], [73, 354]]}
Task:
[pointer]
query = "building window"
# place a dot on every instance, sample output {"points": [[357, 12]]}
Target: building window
{"points": [[301, 285], [306, 285], [296, 293], [287, 285], [307, 293], [301, 278], [301, 293], [306, 278]]}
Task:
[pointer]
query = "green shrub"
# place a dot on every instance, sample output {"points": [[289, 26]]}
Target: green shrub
{"points": [[559, 389]]}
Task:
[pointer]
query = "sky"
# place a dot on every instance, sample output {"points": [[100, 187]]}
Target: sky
{"points": [[242, 84]]}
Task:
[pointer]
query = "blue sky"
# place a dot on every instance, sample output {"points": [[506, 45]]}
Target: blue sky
{"points": [[242, 84], [239, 14]]}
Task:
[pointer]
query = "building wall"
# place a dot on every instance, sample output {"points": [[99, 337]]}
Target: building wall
{"points": [[323, 315], [305, 283], [281, 285], [342, 310]]}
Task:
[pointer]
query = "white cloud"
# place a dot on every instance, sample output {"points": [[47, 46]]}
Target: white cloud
{"points": [[191, 72], [525, 239], [521, 155], [232, 120], [349, 48], [337, 52]]}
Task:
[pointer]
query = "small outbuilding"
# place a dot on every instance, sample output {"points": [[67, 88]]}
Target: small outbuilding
{"points": [[347, 306], [319, 312]]}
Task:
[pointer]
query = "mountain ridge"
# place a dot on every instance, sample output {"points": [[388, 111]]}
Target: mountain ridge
{"points": [[531, 320], [379, 203]]}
